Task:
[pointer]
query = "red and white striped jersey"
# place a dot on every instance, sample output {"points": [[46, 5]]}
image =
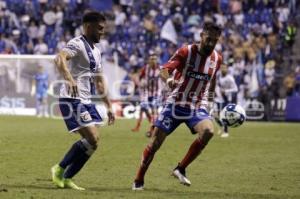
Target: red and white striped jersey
{"points": [[195, 76], [152, 81]]}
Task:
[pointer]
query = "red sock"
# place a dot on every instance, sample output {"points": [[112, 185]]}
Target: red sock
{"points": [[194, 150], [146, 160]]}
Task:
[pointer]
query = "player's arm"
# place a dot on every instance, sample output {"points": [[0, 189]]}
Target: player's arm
{"points": [[33, 87], [176, 62], [211, 90], [103, 92], [61, 63], [212, 87]]}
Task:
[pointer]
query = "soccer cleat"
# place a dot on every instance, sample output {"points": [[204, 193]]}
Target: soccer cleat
{"points": [[138, 186], [70, 184], [57, 176], [180, 175], [224, 135]]}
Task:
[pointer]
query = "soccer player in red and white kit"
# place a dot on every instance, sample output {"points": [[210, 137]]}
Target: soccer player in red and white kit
{"points": [[193, 88], [149, 85]]}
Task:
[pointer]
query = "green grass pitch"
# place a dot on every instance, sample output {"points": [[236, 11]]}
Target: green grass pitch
{"points": [[258, 160]]}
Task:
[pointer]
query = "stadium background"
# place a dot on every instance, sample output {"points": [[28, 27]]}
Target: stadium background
{"points": [[260, 160], [259, 43]]}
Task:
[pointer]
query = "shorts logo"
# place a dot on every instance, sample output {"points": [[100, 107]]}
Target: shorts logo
{"points": [[167, 122], [85, 116]]}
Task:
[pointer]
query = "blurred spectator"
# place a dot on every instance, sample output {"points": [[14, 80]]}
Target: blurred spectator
{"points": [[2, 44], [255, 33], [32, 30], [41, 47], [269, 72], [289, 84], [290, 35], [297, 77]]}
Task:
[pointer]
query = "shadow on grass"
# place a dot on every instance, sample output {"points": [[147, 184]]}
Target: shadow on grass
{"points": [[27, 186], [173, 193], [170, 193]]}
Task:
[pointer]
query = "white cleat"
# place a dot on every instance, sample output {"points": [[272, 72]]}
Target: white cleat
{"points": [[181, 177], [224, 135], [137, 186]]}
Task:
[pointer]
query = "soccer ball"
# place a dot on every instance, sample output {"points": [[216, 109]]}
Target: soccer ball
{"points": [[233, 115]]}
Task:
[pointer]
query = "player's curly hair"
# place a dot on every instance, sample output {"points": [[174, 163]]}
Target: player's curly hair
{"points": [[93, 16], [212, 28]]}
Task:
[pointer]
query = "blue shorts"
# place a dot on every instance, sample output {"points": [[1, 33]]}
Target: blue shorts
{"points": [[173, 115], [78, 115], [152, 102]]}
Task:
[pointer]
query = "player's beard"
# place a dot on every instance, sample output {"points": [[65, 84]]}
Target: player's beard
{"points": [[96, 38]]}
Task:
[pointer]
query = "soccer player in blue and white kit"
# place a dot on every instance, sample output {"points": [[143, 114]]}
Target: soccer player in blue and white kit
{"points": [[80, 114]]}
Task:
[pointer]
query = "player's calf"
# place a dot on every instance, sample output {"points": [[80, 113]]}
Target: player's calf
{"points": [[147, 157], [87, 150], [196, 147]]}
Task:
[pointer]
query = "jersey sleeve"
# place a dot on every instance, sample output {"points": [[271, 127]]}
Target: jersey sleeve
{"points": [[220, 61], [99, 68], [177, 61], [72, 48]]}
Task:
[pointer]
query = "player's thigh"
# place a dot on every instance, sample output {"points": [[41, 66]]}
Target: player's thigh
{"points": [[167, 121], [90, 133], [204, 126]]}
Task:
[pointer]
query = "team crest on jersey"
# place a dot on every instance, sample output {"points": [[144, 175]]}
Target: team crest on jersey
{"points": [[85, 116], [211, 64]]}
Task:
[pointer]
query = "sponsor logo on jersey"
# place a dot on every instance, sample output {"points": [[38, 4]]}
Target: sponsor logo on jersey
{"points": [[198, 76]]}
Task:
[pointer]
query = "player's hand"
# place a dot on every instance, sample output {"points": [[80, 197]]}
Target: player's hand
{"points": [[171, 83], [111, 117], [72, 89]]}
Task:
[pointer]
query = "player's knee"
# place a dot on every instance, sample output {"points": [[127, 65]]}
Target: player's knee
{"points": [[90, 147], [157, 140], [93, 141], [208, 130]]}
